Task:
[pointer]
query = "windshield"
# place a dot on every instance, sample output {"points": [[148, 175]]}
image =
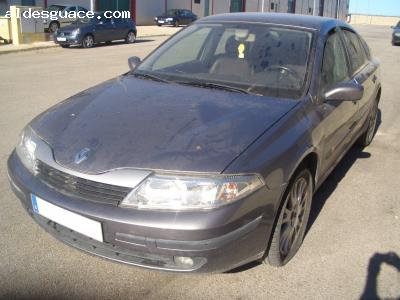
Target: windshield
{"points": [[56, 8], [259, 59]]}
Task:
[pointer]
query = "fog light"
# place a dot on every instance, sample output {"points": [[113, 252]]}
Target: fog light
{"points": [[183, 261]]}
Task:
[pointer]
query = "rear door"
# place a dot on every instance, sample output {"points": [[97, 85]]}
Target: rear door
{"points": [[185, 17], [338, 116], [121, 28], [364, 71]]}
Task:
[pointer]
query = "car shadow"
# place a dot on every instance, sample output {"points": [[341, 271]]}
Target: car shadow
{"points": [[325, 190], [374, 268]]}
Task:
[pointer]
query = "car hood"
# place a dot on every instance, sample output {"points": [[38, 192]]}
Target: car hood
{"points": [[135, 123]]}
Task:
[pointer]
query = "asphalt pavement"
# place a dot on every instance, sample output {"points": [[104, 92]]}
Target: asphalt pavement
{"points": [[352, 247]]}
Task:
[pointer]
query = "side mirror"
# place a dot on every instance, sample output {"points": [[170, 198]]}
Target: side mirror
{"points": [[133, 62], [348, 91]]}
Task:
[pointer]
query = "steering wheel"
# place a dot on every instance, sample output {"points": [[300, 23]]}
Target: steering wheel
{"points": [[284, 70]]}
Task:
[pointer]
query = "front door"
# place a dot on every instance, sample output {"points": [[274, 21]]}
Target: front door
{"points": [[339, 116]]}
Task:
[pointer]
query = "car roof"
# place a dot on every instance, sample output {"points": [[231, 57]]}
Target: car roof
{"points": [[310, 22]]}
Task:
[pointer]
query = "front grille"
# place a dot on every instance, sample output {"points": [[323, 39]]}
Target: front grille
{"points": [[79, 187]]}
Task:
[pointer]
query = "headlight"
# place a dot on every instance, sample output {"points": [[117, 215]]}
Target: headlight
{"points": [[155, 19], [75, 32], [26, 148], [169, 192]]}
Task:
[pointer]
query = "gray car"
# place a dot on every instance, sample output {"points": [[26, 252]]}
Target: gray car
{"points": [[206, 155]]}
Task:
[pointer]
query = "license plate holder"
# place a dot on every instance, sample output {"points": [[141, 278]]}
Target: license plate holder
{"points": [[69, 219]]}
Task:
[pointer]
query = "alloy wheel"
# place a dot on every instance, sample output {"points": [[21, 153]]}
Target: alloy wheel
{"points": [[294, 216], [131, 38], [372, 124], [53, 27], [88, 41]]}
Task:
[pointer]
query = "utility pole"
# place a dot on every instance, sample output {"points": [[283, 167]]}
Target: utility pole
{"points": [[315, 7], [262, 5], [92, 5]]}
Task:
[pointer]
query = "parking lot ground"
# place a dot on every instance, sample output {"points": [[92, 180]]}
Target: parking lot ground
{"points": [[143, 32], [351, 250]]}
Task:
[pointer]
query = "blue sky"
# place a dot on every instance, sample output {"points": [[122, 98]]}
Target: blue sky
{"points": [[375, 7]]}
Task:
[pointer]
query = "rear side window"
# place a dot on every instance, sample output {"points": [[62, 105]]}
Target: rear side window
{"points": [[357, 54], [334, 66]]}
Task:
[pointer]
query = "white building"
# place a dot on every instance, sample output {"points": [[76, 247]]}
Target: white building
{"points": [[143, 11]]}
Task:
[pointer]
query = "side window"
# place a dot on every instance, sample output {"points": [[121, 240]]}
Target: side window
{"points": [[356, 50], [334, 65], [82, 9], [71, 8]]}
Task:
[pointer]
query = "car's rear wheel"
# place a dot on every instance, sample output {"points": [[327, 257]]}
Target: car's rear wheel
{"points": [[88, 41], [367, 137], [292, 222], [130, 38], [53, 27]]}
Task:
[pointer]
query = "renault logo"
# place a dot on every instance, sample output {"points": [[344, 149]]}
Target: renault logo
{"points": [[82, 155]]}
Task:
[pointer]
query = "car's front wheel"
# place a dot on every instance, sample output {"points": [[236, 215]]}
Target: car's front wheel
{"points": [[65, 46], [130, 38], [367, 137], [292, 222], [88, 41]]}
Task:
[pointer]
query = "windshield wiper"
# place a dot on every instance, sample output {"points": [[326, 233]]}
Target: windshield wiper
{"points": [[212, 85], [151, 77]]}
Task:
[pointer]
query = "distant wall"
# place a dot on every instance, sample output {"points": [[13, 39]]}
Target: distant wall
{"points": [[146, 10], [375, 20]]}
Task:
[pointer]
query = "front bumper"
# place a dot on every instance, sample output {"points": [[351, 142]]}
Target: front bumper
{"points": [[217, 240], [164, 22], [69, 40]]}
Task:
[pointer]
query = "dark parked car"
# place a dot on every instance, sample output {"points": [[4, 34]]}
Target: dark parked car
{"points": [[396, 34], [89, 31], [176, 17], [206, 156]]}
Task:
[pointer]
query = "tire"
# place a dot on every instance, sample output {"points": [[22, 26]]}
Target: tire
{"points": [[130, 37], [88, 41], [108, 43], [369, 134], [292, 222], [53, 27], [65, 46], [159, 25]]}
